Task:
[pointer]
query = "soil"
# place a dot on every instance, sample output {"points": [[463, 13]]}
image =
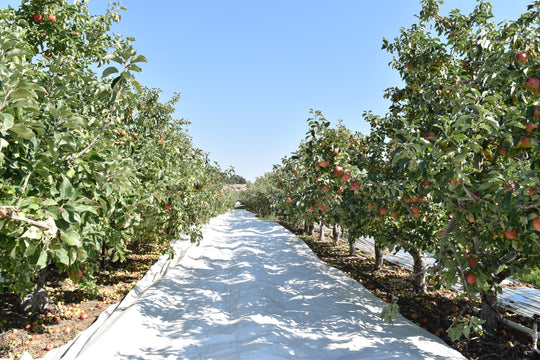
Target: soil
{"points": [[435, 311], [73, 307]]}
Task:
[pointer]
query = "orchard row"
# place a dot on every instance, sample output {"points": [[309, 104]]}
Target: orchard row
{"points": [[90, 160], [452, 169]]}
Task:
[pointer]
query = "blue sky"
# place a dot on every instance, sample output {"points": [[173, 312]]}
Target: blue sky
{"points": [[248, 71]]}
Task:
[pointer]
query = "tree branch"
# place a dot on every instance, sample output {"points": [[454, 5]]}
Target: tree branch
{"points": [[7, 212], [87, 148]]}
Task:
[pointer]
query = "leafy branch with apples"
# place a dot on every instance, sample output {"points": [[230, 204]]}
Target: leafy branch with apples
{"points": [[453, 167], [91, 160]]}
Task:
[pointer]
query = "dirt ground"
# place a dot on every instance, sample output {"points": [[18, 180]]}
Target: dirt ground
{"points": [[73, 308]]}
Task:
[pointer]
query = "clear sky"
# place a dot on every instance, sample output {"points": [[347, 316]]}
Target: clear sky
{"points": [[248, 71]]}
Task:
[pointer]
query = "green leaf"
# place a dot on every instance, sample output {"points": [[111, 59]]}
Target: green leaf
{"points": [[84, 208], [42, 261], [62, 256], [26, 103], [23, 93], [134, 67], [30, 250], [22, 131], [7, 121], [110, 70], [71, 238], [66, 190], [139, 58], [3, 144]]}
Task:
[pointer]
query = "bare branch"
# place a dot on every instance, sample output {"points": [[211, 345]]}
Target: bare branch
{"points": [[8, 212]]}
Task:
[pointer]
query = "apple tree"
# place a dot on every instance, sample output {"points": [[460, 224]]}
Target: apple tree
{"points": [[465, 121]]}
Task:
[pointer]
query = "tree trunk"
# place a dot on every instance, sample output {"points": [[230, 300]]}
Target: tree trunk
{"points": [[419, 267], [352, 248], [335, 233], [379, 256], [489, 310], [38, 299], [321, 233], [103, 262], [309, 229]]}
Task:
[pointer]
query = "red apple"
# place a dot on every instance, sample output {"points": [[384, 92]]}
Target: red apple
{"points": [[394, 214], [83, 316], [323, 163], [472, 261], [522, 58], [532, 191], [530, 127], [338, 170], [325, 189], [536, 113], [168, 206], [49, 347], [37, 17], [383, 211], [525, 142], [532, 83], [409, 65], [345, 177], [289, 200], [425, 182], [321, 207], [536, 223], [470, 278], [52, 18], [510, 234]]}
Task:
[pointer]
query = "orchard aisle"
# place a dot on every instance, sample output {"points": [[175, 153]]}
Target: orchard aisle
{"points": [[253, 290]]}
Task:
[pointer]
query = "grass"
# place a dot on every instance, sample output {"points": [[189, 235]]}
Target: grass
{"points": [[531, 277]]}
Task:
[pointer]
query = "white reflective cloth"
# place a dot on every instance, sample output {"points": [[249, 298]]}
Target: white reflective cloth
{"points": [[251, 290]]}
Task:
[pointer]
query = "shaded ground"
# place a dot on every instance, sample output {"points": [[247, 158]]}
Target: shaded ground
{"points": [[74, 308], [434, 311]]}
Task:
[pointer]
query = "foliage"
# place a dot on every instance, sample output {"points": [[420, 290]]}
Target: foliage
{"points": [[451, 169], [89, 159]]}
